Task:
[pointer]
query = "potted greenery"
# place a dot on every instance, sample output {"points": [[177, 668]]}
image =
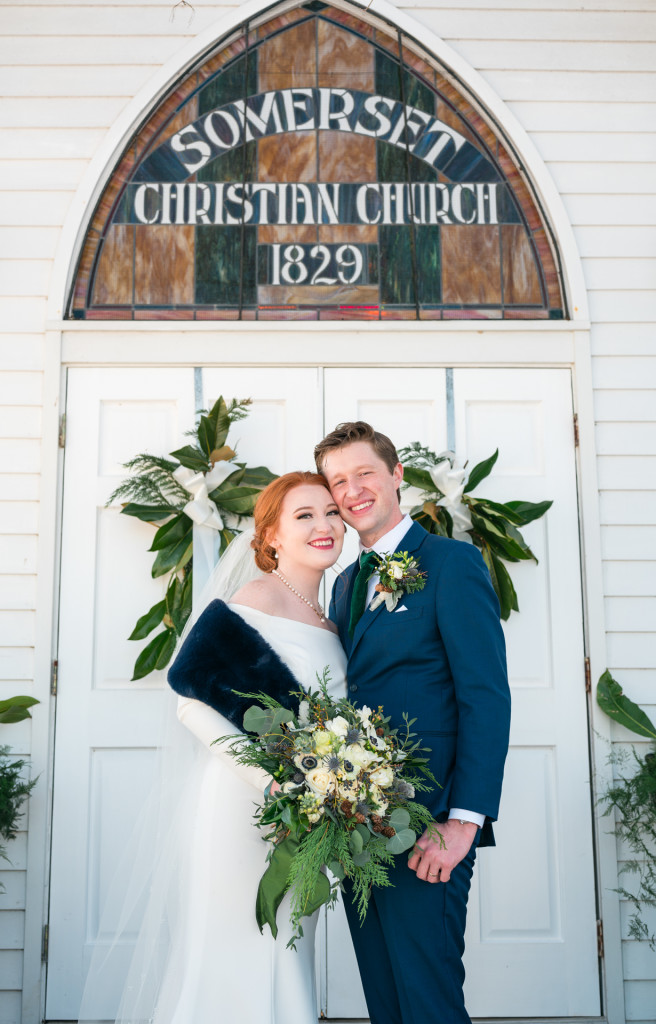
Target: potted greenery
{"points": [[14, 789], [632, 796]]}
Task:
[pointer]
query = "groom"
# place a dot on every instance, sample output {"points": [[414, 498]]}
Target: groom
{"points": [[440, 657]]}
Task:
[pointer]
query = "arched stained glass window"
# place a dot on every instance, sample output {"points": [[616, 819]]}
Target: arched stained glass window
{"points": [[317, 167]]}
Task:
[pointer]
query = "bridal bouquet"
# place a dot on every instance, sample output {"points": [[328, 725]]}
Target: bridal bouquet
{"points": [[347, 782]]}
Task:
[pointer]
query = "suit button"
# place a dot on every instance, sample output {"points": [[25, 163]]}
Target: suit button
{"points": [[353, 687]]}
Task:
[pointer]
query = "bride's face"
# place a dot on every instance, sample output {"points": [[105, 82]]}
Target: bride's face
{"points": [[310, 532]]}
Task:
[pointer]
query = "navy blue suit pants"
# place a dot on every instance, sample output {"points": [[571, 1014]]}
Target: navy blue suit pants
{"points": [[410, 946]]}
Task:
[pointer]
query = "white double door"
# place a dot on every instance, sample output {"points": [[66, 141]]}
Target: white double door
{"points": [[531, 938]]}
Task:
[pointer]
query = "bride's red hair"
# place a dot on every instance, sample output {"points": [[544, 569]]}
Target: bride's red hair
{"points": [[267, 512]]}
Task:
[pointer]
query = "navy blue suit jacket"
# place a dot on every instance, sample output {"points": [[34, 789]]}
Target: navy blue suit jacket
{"points": [[443, 662]]}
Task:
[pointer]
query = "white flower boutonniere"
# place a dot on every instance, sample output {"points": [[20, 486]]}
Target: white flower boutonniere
{"points": [[399, 574]]}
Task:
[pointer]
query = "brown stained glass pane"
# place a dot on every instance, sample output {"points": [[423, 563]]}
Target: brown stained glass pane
{"points": [[521, 284], [550, 273], [288, 314], [225, 55], [113, 278], [526, 314], [290, 157], [225, 314], [302, 233], [349, 21], [449, 116], [388, 42], [109, 314], [317, 295], [164, 265], [344, 60], [398, 314], [471, 314], [348, 313], [418, 64], [275, 24], [289, 59], [346, 157], [184, 117], [471, 265], [367, 233], [163, 314], [84, 271]]}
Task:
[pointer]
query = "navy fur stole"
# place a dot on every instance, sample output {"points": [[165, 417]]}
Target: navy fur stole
{"points": [[223, 653]]}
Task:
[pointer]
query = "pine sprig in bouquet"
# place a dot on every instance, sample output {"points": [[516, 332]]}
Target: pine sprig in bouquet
{"points": [[346, 799]]}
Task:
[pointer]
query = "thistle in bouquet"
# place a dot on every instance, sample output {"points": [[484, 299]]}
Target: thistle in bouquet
{"points": [[346, 801]]}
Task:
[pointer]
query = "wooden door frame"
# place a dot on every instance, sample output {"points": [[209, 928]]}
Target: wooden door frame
{"points": [[466, 343]]}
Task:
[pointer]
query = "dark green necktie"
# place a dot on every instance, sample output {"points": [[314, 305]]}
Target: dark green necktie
{"points": [[359, 596]]}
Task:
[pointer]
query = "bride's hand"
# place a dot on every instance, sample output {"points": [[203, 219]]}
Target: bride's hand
{"points": [[275, 788]]}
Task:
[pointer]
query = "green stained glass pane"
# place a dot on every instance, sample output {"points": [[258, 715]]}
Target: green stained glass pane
{"points": [[218, 264], [230, 84], [394, 165], [429, 271], [396, 276], [388, 83], [238, 164]]}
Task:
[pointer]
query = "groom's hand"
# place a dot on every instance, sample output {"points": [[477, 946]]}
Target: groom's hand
{"points": [[433, 858]]}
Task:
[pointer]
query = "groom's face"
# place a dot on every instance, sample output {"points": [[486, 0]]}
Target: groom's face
{"points": [[364, 489]]}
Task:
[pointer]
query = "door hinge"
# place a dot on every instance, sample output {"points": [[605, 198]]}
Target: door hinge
{"points": [[62, 430], [44, 944], [588, 675], [600, 939], [576, 430], [54, 671]]}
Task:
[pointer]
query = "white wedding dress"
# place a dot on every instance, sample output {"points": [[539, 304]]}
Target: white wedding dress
{"points": [[225, 971]]}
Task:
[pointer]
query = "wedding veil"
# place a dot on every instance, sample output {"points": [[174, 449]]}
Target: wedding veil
{"points": [[142, 929]]}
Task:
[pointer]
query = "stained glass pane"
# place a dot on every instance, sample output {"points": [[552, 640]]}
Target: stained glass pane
{"points": [[322, 168]]}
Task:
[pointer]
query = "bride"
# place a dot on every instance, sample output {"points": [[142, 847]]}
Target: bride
{"points": [[271, 636]]}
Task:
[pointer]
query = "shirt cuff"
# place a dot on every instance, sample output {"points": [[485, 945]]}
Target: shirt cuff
{"points": [[477, 819]]}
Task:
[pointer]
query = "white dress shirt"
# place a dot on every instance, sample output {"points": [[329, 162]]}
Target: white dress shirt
{"points": [[388, 544]]}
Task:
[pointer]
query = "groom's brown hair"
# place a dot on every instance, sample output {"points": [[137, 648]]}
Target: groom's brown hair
{"points": [[358, 430]]}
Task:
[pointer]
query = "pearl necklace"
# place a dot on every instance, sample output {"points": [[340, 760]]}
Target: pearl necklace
{"points": [[318, 612]]}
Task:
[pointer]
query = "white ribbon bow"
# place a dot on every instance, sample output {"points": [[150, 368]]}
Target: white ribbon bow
{"points": [[451, 482], [201, 509]]}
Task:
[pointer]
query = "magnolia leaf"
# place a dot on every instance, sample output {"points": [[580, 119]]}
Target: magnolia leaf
{"points": [[156, 654], [612, 700], [529, 510], [147, 623], [420, 478], [239, 500], [227, 536], [497, 510], [219, 413], [14, 709], [223, 454], [399, 819], [231, 481], [402, 841], [498, 538], [192, 458], [486, 552], [273, 883], [508, 599], [171, 533], [480, 471], [173, 558], [258, 476], [148, 513], [178, 602]]}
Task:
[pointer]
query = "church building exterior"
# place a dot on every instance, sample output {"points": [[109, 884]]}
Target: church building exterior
{"points": [[437, 217]]}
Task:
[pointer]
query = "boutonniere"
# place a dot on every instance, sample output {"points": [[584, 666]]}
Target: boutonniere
{"points": [[399, 574]]}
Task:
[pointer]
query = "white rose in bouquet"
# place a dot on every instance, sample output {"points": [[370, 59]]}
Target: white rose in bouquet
{"points": [[382, 777], [321, 781]]}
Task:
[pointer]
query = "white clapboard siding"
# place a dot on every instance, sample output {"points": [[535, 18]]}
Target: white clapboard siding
{"points": [[628, 274], [529, 84], [626, 473], [36, 175], [29, 242], [23, 277], [49, 144]]}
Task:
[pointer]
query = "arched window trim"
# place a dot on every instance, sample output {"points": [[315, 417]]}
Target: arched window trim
{"points": [[433, 49]]}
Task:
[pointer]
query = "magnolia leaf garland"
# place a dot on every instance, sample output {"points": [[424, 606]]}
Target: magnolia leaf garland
{"points": [[201, 483], [450, 510]]}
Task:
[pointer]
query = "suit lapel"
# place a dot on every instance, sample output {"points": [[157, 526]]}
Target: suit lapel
{"points": [[411, 543], [343, 603]]}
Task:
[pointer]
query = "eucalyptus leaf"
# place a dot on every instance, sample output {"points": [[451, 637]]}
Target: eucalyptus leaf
{"points": [[257, 720], [364, 832], [337, 870], [612, 699], [399, 819], [480, 471], [356, 843], [402, 841], [360, 859], [148, 622]]}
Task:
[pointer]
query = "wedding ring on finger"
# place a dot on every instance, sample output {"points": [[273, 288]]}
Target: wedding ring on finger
{"points": [[433, 874]]}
